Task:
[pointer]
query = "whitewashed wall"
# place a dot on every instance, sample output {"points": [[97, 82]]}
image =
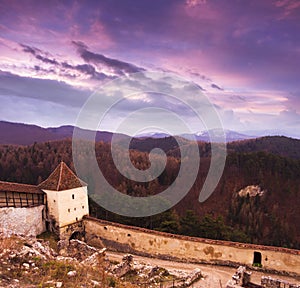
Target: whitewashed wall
{"points": [[66, 210], [22, 221]]}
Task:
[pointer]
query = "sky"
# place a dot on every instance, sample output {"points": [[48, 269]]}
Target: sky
{"points": [[244, 56]]}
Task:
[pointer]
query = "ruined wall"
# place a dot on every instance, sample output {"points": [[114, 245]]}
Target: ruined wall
{"points": [[22, 221], [152, 243], [268, 282]]}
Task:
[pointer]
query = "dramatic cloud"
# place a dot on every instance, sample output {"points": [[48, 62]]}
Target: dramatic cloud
{"points": [[216, 86], [117, 66], [243, 54], [41, 89], [64, 68], [38, 54]]}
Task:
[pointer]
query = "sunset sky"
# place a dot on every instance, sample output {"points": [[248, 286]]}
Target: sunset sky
{"points": [[244, 55]]}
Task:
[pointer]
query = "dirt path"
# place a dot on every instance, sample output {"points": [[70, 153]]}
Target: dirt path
{"points": [[214, 276]]}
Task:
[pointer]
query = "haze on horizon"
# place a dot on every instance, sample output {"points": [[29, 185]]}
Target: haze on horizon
{"points": [[244, 55]]}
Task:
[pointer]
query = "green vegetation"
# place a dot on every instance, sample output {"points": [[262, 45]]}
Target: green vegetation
{"points": [[51, 238]]}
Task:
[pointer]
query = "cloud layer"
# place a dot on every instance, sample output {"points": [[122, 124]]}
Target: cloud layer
{"points": [[244, 55]]}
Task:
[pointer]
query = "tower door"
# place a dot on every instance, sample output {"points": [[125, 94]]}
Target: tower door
{"points": [[257, 258]]}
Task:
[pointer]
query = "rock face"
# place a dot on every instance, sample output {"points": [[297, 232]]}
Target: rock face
{"points": [[22, 221], [252, 191]]}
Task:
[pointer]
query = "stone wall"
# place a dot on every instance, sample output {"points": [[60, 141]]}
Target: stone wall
{"points": [[158, 244], [74, 230], [22, 221], [268, 282]]}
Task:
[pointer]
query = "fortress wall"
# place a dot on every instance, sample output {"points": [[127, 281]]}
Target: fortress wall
{"points": [[27, 221], [158, 244]]}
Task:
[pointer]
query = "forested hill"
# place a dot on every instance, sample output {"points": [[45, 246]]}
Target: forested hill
{"points": [[272, 218], [25, 134], [279, 145]]}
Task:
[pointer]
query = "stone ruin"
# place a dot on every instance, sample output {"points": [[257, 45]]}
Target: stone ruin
{"points": [[268, 282], [241, 278]]}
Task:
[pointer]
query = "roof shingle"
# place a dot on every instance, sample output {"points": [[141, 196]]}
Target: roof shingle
{"points": [[22, 188], [62, 178]]}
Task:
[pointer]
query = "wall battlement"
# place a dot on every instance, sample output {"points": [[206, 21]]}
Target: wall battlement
{"points": [[169, 246]]}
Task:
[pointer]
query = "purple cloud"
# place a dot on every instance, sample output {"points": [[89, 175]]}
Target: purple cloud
{"points": [[243, 47], [119, 67]]}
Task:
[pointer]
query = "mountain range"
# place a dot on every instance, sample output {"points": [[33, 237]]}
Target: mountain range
{"points": [[26, 134]]}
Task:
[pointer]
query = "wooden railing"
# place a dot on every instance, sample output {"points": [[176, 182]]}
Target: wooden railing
{"points": [[21, 199]]}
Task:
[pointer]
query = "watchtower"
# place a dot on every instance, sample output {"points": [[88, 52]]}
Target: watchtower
{"points": [[67, 202]]}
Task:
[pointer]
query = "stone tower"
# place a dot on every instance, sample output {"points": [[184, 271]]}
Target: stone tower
{"points": [[67, 201]]}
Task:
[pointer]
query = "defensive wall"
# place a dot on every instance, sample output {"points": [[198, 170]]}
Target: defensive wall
{"points": [[29, 221], [151, 243]]}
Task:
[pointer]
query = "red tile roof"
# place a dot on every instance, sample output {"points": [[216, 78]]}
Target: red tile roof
{"points": [[62, 178], [16, 187]]}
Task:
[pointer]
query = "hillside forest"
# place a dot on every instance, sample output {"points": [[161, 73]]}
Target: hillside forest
{"points": [[273, 163]]}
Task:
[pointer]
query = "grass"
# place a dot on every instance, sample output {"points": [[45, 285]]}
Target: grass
{"points": [[45, 273], [10, 243], [51, 237]]}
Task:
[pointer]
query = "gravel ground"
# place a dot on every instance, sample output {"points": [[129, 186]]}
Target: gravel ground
{"points": [[214, 276]]}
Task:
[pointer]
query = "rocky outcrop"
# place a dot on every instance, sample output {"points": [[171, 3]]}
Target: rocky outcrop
{"points": [[252, 191]]}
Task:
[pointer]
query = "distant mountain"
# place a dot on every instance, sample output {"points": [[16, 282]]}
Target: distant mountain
{"points": [[26, 134], [153, 135], [217, 135]]}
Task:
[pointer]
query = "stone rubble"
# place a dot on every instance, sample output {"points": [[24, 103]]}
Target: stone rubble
{"points": [[242, 278], [146, 273], [269, 282], [27, 253]]}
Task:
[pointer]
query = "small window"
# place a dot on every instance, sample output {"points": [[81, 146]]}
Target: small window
{"points": [[257, 259], [54, 201], [74, 209], [76, 218], [69, 210], [73, 196], [82, 207]]}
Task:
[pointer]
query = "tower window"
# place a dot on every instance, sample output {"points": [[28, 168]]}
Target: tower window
{"points": [[69, 210], [73, 196], [74, 209], [76, 218], [82, 207]]}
